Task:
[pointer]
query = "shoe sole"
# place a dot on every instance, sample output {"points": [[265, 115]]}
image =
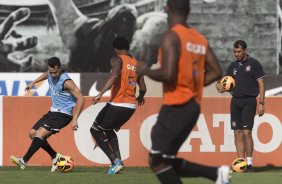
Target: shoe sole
{"points": [[119, 169], [54, 170], [14, 160], [122, 168]]}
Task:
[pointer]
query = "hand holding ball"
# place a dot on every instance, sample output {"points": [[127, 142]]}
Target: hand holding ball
{"points": [[228, 83]]}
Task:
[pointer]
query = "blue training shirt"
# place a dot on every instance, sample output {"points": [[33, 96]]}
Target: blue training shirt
{"points": [[62, 101]]}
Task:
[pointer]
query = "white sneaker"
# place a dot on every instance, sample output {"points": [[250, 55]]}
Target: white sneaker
{"points": [[54, 162], [19, 162], [223, 175]]}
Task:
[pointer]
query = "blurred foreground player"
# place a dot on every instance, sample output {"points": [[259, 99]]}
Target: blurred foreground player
{"points": [[187, 64]]}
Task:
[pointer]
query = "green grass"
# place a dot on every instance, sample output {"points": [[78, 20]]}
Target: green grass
{"points": [[97, 175]]}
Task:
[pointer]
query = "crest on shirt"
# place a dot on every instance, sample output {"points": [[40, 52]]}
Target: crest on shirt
{"points": [[248, 68], [234, 71]]}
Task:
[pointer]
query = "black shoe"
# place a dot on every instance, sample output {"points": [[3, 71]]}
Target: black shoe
{"points": [[250, 168]]}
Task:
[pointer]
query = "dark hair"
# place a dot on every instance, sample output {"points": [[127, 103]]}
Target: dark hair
{"points": [[53, 62], [179, 6], [121, 43], [240, 43]]}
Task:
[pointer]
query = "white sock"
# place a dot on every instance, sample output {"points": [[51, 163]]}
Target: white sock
{"points": [[249, 160]]}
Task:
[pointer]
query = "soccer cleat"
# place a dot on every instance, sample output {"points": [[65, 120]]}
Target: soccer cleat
{"points": [[250, 168], [54, 162], [116, 168], [223, 175], [19, 162]]}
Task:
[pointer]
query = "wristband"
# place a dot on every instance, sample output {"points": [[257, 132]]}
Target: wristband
{"points": [[262, 103]]}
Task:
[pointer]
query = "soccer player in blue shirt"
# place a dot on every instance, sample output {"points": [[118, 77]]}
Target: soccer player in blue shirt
{"points": [[65, 95]]}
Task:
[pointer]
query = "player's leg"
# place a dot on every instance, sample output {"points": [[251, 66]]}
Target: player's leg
{"points": [[236, 106], [167, 167], [37, 142], [239, 143], [53, 122], [185, 125], [102, 141], [119, 116], [248, 115], [113, 141], [163, 169], [189, 169], [185, 168], [167, 136], [56, 122], [98, 133], [46, 146]]}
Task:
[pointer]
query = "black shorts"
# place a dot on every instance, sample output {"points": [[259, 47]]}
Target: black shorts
{"points": [[243, 111], [53, 121], [113, 117], [173, 126]]}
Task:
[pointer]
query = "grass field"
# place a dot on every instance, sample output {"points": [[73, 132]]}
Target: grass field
{"points": [[97, 175]]}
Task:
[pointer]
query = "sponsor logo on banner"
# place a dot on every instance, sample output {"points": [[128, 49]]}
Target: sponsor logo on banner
{"points": [[84, 141], [13, 84], [204, 132], [211, 141]]}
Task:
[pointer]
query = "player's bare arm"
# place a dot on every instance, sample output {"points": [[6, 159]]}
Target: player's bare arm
{"points": [[170, 47], [213, 71], [261, 96], [115, 72], [142, 90], [42, 77], [74, 90]]}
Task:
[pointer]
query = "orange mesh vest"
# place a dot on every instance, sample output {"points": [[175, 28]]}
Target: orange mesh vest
{"points": [[124, 88], [191, 67]]}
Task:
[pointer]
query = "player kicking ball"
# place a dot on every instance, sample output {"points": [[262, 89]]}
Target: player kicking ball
{"points": [[65, 96]]}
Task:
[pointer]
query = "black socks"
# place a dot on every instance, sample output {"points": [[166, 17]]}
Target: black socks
{"points": [[35, 145]]}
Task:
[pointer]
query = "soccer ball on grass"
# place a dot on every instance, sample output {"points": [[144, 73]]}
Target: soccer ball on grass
{"points": [[65, 164]]}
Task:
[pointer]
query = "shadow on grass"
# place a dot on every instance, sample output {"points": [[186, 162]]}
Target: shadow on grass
{"points": [[268, 167]]}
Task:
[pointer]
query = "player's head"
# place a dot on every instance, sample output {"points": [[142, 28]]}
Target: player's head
{"points": [[178, 7], [121, 43], [240, 49], [54, 67]]}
